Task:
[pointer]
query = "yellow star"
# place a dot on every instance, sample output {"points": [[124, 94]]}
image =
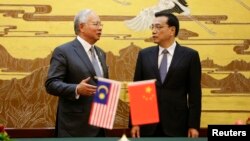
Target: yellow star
{"points": [[148, 89]]}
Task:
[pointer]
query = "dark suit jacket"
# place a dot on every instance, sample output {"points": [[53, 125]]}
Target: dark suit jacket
{"points": [[179, 97], [69, 65]]}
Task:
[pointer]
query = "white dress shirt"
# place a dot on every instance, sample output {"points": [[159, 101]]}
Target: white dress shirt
{"points": [[170, 54]]}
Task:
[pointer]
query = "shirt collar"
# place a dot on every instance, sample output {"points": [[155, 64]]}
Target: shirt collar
{"points": [[84, 43], [170, 49]]}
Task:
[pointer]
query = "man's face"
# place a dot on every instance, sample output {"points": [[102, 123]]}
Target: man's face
{"points": [[92, 29], [161, 32]]}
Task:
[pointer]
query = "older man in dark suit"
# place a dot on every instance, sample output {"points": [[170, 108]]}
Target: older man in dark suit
{"points": [[177, 70], [71, 75]]}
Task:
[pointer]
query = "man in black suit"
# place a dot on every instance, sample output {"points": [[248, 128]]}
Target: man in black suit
{"points": [[71, 77], [178, 81]]}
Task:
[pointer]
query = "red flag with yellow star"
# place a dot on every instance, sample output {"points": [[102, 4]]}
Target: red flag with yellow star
{"points": [[143, 102]]}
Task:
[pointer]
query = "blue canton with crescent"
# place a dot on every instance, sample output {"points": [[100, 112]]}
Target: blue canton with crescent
{"points": [[102, 92]]}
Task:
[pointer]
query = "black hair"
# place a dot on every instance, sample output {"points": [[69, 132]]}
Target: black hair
{"points": [[172, 20]]}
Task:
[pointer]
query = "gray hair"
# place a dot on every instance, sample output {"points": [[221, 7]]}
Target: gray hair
{"points": [[81, 17]]}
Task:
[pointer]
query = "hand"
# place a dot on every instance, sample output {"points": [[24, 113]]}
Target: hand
{"points": [[193, 133], [83, 88], [135, 132]]}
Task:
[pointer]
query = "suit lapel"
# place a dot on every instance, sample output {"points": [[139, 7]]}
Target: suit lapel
{"points": [[154, 62], [83, 55], [178, 54]]}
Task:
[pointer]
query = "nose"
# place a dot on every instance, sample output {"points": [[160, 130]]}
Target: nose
{"points": [[153, 31], [101, 26]]}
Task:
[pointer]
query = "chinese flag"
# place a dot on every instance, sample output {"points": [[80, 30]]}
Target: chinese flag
{"points": [[143, 102]]}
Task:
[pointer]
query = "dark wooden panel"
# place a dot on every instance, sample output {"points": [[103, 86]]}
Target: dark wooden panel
{"points": [[30, 132]]}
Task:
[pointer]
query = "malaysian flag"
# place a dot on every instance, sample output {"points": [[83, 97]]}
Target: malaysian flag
{"points": [[105, 103]]}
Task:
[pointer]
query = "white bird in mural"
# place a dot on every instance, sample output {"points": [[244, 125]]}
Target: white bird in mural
{"points": [[145, 17]]}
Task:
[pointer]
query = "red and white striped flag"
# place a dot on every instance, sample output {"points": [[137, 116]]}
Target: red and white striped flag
{"points": [[105, 103]]}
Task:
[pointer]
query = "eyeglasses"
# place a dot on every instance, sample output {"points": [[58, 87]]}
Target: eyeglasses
{"points": [[157, 27], [97, 24]]}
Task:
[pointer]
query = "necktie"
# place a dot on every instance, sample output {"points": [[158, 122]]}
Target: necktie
{"points": [[95, 62], [163, 65]]}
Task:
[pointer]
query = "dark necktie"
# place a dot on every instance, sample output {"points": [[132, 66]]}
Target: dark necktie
{"points": [[163, 65], [95, 62]]}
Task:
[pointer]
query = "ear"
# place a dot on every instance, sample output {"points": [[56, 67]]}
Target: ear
{"points": [[173, 30], [81, 27]]}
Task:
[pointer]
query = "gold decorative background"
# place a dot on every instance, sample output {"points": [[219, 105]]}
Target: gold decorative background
{"points": [[31, 29]]}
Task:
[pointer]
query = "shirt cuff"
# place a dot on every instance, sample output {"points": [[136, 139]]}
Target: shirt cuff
{"points": [[76, 94]]}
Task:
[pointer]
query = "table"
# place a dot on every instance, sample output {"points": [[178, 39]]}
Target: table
{"points": [[108, 139]]}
